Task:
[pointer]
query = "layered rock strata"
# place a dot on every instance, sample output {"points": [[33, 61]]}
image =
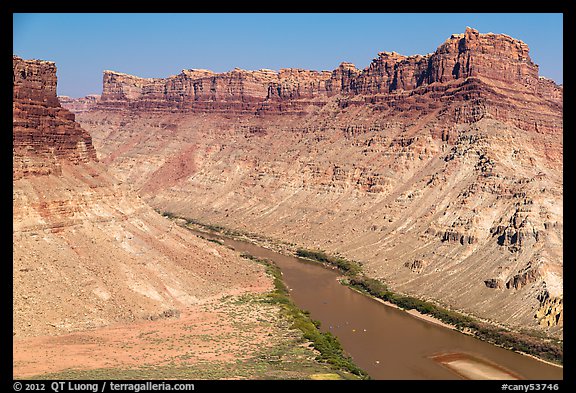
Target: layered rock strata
{"points": [[41, 125], [87, 251], [442, 173], [487, 67]]}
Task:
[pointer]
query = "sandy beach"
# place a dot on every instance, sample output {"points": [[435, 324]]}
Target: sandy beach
{"points": [[472, 367]]}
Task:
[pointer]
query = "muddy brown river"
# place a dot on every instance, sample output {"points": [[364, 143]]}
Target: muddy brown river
{"points": [[389, 343]]}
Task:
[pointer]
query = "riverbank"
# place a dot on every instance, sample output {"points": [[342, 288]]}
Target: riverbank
{"points": [[238, 337], [543, 349], [328, 346], [436, 321], [535, 347], [412, 312]]}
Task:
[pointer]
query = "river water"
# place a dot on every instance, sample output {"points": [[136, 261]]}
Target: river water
{"points": [[386, 342]]}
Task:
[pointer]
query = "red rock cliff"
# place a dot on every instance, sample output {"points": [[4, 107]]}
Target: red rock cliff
{"points": [[488, 75], [491, 57], [43, 132], [237, 90]]}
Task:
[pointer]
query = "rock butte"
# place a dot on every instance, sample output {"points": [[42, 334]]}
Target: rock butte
{"points": [[441, 174]]}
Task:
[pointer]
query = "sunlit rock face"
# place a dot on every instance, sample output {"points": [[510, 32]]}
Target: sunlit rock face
{"points": [[87, 251], [440, 173]]}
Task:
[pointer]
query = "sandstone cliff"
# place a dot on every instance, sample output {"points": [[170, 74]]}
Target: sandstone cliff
{"points": [[87, 251], [441, 173], [499, 66], [41, 125]]}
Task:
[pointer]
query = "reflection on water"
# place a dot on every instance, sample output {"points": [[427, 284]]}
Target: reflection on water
{"points": [[386, 342]]}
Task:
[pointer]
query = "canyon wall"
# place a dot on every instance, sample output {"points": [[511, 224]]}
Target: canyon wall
{"points": [[441, 174], [493, 72], [87, 251], [497, 60]]}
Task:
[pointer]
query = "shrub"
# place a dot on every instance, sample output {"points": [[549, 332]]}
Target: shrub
{"points": [[351, 268], [330, 349]]}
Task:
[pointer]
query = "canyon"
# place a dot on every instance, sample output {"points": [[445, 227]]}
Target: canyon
{"points": [[97, 272], [441, 174], [87, 250], [67, 209]]}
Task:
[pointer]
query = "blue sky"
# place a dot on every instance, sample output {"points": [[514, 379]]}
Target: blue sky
{"points": [[160, 45]]}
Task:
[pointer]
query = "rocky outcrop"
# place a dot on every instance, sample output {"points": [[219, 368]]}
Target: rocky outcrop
{"points": [[43, 132], [551, 310], [238, 90], [495, 283], [461, 231], [518, 232], [343, 79], [417, 265], [493, 56], [391, 71], [527, 276], [295, 84]]}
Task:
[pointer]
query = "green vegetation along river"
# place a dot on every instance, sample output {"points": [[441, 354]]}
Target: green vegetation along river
{"points": [[386, 342]]}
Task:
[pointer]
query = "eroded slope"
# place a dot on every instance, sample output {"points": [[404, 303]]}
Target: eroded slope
{"points": [[87, 251], [442, 173]]}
